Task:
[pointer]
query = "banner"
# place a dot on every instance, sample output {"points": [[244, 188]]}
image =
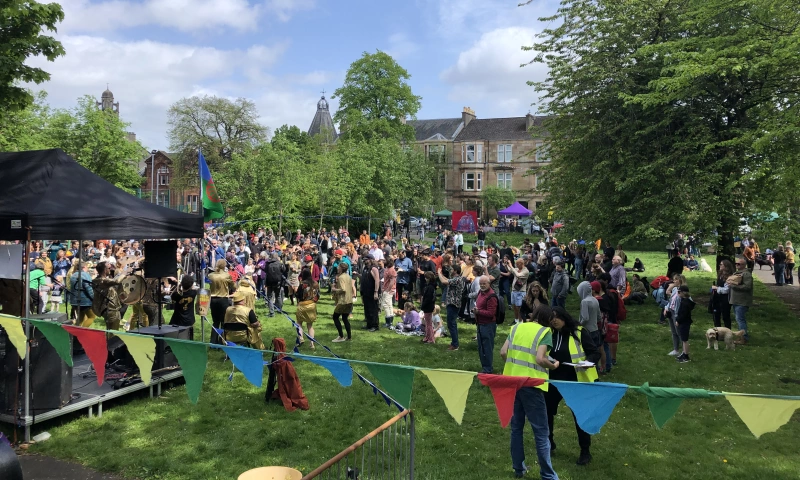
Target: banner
{"points": [[465, 221]]}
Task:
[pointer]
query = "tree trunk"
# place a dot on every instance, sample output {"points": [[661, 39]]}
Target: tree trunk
{"points": [[727, 230]]}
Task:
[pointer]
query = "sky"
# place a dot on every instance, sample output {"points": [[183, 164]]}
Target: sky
{"points": [[282, 54]]}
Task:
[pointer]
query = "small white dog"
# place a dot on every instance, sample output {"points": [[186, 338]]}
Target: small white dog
{"points": [[714, 335]]}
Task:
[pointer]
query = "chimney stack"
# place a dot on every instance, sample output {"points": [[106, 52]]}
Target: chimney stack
{"points": [[467, 115], [529, 121]]}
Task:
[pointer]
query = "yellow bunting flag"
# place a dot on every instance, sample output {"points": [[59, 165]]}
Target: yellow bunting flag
{"points": [[763, 415], [453, 387], [13, 328], [143, 351]]}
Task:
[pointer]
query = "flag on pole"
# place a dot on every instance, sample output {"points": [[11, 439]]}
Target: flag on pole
{"points": [[212, 207]]}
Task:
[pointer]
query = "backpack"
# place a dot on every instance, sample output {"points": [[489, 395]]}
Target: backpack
{"points": [[273, 273], [500, 313], [622, 312]]}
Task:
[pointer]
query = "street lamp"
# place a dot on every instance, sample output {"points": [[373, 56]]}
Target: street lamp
{"points": [[152, 172]]}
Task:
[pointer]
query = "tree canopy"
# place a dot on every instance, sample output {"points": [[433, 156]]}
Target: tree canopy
{"points": [[21, 25], [670, 116], [376, 99]]}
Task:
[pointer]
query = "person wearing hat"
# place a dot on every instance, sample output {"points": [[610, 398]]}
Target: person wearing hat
{"points": [[307, 298], [106, 302], [221, 287], [683, 320], [241, 325]]}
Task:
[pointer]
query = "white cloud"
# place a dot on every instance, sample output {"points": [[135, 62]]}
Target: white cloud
{"points": [[489, 73], [147, 77], [400, 46], [197, 16], [466, 19]]}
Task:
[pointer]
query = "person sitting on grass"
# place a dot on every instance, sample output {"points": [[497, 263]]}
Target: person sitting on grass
{"points": [[639, 291], [411, 321], [438, 330], [683, 320], [691, 263], [638, 266]]}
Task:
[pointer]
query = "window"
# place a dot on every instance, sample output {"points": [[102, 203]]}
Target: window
{"points": [[442, 174], [504, 153], [472, 181], [163, 199], [538, 205], [192, 202], [472, 153], [436, 153], [504, 180], [163, 176], [542, 155], [539, 179]]}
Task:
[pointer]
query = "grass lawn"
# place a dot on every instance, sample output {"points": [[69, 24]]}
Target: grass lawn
{"points": [[232, 429]]}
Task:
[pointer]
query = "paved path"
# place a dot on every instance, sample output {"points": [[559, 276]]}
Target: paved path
{"points": [[790, 294], [40, 467]]}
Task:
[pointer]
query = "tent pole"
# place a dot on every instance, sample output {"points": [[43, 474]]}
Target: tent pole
{"points": [[26, 289]]}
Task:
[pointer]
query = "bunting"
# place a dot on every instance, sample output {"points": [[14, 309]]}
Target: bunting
{"points": [[453, 387], [763, 415], [592, 403], [58, 338], [664, 402], [504, 391], [340, 369], [249, 361], [398, 381], [94, 343], [143, 351], [193, 359], [13, 328]]}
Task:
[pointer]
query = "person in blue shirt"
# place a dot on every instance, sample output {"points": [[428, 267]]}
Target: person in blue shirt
{"points": [[404, 267], [82, 294]]}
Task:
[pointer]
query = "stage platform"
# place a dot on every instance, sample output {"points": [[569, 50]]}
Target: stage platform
{"points": [[88, 395]]}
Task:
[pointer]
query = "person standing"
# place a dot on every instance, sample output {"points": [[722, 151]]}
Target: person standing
{"points": [[525, 354], [493, 271], [458, 240], [249, 334], [404, 268], [618, 278], [307, 298], [749, 254], [273, 281], [81, 293], [388, 290], [741, 296], [571, 344], [559, 287], [106, 301], [184, 298], [485, 317], [456, 287], [370, 292], [222, 287], [428, 305], [719, 295], [789, 263], [520, 280], [343, 296], [779, 263]]}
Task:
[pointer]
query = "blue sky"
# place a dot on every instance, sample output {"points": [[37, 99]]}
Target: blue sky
{"points": [[282, 53]]}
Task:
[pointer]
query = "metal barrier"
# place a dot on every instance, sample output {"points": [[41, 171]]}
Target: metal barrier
{"points": [[386, 453]]}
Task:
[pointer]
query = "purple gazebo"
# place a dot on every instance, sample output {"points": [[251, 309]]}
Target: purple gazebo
{"points": [[515, 210]]}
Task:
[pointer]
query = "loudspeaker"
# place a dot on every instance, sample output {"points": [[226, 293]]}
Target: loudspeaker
{"points": [[164, 357], [159, 259], [51, 377]]}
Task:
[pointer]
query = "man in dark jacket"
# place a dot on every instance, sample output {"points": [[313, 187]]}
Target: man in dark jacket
{"points": [[683, 320], [485, 317], [275, 272], [370, 292], [675, 264]]}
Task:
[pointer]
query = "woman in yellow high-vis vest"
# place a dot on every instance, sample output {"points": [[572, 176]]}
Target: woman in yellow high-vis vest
{"points": [[571, 344]]}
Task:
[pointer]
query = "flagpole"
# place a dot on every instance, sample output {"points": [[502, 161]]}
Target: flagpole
{"points": [[202, 244]]}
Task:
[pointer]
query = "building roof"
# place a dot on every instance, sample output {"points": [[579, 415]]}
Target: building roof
{"points": [[445, 128], [322, 120], [512, 128]]}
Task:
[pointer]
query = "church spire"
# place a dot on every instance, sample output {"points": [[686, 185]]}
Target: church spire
{"points": [[322, 122]]}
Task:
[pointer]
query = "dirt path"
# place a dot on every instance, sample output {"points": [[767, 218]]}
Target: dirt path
{"points": [[40, 467], [790, 294]]}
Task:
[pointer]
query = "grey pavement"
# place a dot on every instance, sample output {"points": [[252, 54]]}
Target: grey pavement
{"points": [[39, 467]]}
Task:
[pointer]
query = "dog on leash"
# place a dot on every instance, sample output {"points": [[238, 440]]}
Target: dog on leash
{"points": [[714, 335]]}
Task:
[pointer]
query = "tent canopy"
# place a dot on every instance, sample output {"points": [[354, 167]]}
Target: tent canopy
{"points": [[516, 209], [57, 198], [443, 213]]}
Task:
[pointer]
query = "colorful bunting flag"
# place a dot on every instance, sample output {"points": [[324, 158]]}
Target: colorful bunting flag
{"points": [[58, 338], [143, 351], [664, 401], [340, 369], [592, 403], [193, 359], [763, 415], [453, 387], [249, 361], [95, 345], [397, 381], [212, 207], [13, 328], [504, 391]]}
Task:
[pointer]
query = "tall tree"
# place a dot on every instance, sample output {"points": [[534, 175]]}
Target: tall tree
{"points": [[496, 198], [97, 140], [24, 129], [376, 99], [218, 126], [670, 116], [21, 26]]}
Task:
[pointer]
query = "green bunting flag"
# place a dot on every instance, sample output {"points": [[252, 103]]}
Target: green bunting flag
{"points": [[397, 381], [193, 358], [664, 402], [58, 338]]}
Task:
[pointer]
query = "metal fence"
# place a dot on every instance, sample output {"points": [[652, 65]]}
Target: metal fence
{"points": [[385, 453]]}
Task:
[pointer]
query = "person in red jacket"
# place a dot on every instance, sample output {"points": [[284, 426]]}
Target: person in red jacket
{"points": [[485, 313]]}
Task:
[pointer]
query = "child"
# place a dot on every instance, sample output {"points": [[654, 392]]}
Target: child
{"points": [[411, 320], [438, 331], [683, 320]]}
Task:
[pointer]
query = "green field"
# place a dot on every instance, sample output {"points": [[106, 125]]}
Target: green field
{"points": [[231, 429]]}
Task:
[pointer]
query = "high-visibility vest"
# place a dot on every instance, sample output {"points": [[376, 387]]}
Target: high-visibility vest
{"points": [[523, 341], [577, 354]]}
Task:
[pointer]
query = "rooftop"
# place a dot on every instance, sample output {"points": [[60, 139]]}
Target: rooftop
{"points": [[512, 128], [445, 128]]}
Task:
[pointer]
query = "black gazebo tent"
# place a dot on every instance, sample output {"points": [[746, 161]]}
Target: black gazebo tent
{"points": [[56, 197]]}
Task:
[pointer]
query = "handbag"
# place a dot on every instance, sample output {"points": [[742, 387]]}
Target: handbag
{"points": [[612, 333]]}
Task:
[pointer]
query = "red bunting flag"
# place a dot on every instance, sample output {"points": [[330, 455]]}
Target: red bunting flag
{"points": [[504, 390], [94, 343]]}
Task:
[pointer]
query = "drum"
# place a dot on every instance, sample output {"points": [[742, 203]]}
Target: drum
{"points": [[132, 290]]}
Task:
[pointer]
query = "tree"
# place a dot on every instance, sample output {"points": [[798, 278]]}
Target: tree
{"points": [[670, 116], [376, 99], [97, 140], [218, 126], [496, 198], [21, 25], [24, 129]]}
